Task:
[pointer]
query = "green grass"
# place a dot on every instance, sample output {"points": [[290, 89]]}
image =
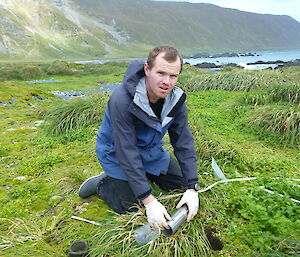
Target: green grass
{"points": [[238, 80], [250, 221], [71, 76], [76, 115], [281, 121]]}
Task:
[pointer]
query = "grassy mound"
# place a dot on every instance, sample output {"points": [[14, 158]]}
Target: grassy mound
{"points": [[76, 115], [284, 122]]}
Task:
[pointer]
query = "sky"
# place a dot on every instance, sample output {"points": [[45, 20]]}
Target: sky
{"points": [[281, 7]]}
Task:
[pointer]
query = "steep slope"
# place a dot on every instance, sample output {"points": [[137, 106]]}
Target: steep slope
{"points": [[197, 26], [101, 28], [50, 29]]}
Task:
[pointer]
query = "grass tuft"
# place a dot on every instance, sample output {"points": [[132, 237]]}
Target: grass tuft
{"points": [[289, 92], [257, 98], [59, 67], [229, 81], [284, 122], [76, 114], [118, 239]]}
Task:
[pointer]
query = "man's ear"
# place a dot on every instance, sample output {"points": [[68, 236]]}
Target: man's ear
{"points": [[146, 69]]}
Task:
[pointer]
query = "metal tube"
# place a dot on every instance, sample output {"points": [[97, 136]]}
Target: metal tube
{"points": [[145, 234], [177, 219]]}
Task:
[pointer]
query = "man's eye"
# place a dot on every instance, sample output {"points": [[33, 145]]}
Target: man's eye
{"points": [[161, 73], [173, 76]]}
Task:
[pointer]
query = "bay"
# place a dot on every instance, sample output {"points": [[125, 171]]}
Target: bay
{"points": [[264, 56]]}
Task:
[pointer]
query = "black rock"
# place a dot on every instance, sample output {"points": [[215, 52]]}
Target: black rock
{"points": [[207, 65], [266, 62], [233, 65], [292, 63]]}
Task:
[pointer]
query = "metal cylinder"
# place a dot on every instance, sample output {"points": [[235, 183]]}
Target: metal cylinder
{"points": [[145, 234], [177, 219]]}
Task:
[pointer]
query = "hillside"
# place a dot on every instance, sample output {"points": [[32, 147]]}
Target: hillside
{"points": [[128, 28]]}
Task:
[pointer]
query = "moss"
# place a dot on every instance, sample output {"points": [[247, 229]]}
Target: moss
{"points": [[3, 194]]}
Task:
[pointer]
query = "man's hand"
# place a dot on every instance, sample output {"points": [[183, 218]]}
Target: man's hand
{"points": [[157, 214], [190, 198]]}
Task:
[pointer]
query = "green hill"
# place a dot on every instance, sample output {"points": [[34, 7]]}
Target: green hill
{"points": [[128, 28]]}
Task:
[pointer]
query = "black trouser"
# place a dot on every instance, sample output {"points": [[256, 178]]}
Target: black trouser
{"points": [[117, 194]]}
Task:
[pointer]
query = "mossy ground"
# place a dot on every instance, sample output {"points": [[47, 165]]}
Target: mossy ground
{"points": [[249, 221]]}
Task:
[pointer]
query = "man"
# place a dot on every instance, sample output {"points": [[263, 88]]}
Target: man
{"points": [[129, 142]]}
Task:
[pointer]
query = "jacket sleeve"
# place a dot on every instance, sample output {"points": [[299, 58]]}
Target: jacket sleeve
{"points": [[183, 143], [125, 141]]}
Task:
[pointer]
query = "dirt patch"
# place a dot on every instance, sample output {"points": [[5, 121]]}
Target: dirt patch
{"points": [[215, 242]]}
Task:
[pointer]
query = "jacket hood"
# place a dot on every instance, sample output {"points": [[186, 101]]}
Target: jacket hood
{"points": [[132, 76]]}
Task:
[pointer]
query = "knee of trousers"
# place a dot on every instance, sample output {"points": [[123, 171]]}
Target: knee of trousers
{"points": [[118, 195]]}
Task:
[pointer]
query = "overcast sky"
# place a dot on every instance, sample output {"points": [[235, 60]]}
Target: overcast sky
{"points": [[287, 7]]}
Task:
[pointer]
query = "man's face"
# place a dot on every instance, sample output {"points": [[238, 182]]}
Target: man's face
{"points": [[161, 79]]}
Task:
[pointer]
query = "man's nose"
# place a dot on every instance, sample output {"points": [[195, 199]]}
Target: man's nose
{"points": [[166, 80]]}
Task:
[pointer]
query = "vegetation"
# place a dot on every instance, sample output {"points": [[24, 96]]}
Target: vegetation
{"points": [[247, 120], [76, 115], [20, 71], [115, 29]]}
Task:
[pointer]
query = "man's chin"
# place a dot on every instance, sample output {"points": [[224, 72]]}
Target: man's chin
{"points": [[163, 94]]}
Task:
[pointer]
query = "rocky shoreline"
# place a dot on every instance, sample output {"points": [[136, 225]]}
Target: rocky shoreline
{"points": [[226, 54], [278, 64]]}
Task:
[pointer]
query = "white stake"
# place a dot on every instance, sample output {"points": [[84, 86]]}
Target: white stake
{"points": [[88, 221], [272, 192]]}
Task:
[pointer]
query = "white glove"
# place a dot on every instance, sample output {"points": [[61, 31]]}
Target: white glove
{"points": [[190, 198], [157, 214]]}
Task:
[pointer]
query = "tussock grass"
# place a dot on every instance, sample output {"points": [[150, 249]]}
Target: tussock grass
{"points": [[117, 239], [256, 98], [206, 147], [76, 114], [20, 71], [22, 231], [43, 236], [59, 67], [289, 92], [284, 122], [106, 68], [29, 71], [229, 81]]}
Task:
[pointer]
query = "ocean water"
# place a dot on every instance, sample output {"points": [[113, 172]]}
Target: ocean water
{"points": [[243, 60]]}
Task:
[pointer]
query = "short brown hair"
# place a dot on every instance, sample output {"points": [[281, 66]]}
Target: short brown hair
{"points": [[171, 55]]}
